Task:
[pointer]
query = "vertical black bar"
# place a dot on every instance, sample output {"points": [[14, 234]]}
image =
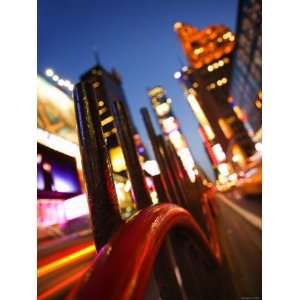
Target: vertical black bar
{"points": [[181, 178], [160, 188], [97, 169], [134, 169], [178, 196], [153, 139]]}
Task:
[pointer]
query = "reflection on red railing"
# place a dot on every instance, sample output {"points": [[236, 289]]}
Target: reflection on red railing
{"points": [[123, 267]]}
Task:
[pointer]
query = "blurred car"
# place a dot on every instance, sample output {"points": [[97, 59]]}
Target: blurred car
{"points": [[250, 183]]}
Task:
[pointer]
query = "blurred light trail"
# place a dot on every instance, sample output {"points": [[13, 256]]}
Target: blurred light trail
{"points": [[62, 262], [62, 253], [63, 284]]}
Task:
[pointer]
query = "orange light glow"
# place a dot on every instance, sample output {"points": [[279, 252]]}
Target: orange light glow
{"points": [[62, 262], [238, 112], [225, 128]]}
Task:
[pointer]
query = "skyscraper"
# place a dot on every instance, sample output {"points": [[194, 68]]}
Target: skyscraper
{"points": [[246, 80], [206, 85], [162, 106], [108, 88]]}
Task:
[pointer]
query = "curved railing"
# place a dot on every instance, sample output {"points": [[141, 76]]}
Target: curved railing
{"points": [[123, 266]]}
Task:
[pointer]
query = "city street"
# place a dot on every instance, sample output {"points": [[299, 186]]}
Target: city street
{"points": [[61, 263], [239, 225]]}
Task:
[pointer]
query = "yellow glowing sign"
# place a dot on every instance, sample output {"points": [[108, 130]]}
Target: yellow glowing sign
{"points": [[201, 116], [188, 162], [238, 112], [225, 128], [117, 159]]}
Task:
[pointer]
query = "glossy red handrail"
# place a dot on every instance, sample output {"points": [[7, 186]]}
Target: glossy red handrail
{"points": [[123, 267]]}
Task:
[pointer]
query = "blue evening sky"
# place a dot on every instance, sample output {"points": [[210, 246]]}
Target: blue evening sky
{"points": [[137, 38]]}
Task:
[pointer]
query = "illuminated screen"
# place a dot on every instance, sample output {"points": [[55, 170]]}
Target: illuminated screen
{"points": [[56, 172]]}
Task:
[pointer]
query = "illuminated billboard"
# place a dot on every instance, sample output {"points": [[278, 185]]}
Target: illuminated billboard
{"points": [[169, 124], [56, 172], [55, 111]]}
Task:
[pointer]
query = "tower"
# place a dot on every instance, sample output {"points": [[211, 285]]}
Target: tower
{"points": [[170, 127], [206, 85]]}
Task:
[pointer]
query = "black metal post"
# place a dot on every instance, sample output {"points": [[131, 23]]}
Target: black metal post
{"points": [[97, 168], [178, 195], [134, 169], [160, 188], [182, 178], [162, 165]]}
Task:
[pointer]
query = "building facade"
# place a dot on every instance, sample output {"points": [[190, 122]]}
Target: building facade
{"points": [[206, 85], [108, 88], [246, 79]]}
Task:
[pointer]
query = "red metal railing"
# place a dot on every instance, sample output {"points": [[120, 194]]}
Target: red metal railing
{"points": [[123, 267]]}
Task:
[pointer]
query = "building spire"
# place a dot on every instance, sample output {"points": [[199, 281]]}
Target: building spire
{"points": [[96, 56]]}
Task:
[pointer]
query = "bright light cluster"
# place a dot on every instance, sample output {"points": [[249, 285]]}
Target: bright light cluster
{"points": [[228, 35], [61, 82], [219, 82], [218, 64]]}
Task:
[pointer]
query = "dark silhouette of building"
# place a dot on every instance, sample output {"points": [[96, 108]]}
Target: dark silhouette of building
{"points": [[246, 79], [108, 88]]}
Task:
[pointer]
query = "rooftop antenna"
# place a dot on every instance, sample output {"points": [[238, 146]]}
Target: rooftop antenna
{"points": [[96, 55]]}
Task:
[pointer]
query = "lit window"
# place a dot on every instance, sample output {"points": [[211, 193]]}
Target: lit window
{"points": [[210, 68], [258, 104], [117, 159], [107, 120], [198, 51]]}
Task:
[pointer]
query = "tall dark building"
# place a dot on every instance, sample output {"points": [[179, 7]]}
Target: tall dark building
{"points": [[108, 88], [206, 85], [246, 79]]}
